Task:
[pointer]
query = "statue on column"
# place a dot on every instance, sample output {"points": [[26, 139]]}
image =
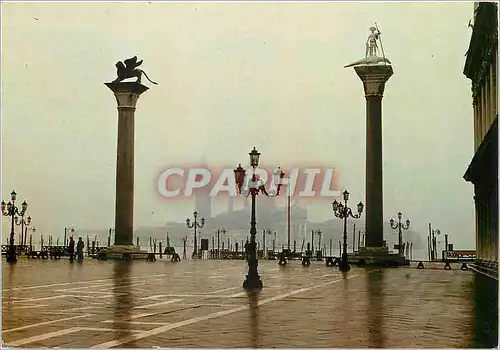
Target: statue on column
{"points": [[371, 43], [371, 54], [128, 69]]}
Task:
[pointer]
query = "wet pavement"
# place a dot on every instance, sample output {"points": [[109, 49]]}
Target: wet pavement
{"points": [[108, 304]]}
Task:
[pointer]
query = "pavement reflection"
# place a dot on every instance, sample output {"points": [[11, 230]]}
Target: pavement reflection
{"points": [[253, 302], [201, 304], [123, 298], [374, 316]]}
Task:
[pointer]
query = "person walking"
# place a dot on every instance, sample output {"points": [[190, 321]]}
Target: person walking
{"points": [[71, 249], [79, 249]]}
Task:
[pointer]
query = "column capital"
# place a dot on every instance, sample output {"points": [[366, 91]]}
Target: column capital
{"points": [[127, 93], [374, 77]]}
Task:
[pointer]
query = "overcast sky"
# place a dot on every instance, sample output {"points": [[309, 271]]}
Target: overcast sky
{"points": [[233, 76]]}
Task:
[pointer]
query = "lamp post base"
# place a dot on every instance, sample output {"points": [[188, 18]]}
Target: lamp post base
{"points": [[252, 282], [344, 266], [11, 258]]}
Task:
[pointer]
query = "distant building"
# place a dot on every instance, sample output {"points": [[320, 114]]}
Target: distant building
{"points": [[202, 198], [481, 68], [203, 204]]}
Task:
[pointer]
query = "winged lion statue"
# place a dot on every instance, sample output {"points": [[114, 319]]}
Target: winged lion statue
{"points": [[128, 69]]}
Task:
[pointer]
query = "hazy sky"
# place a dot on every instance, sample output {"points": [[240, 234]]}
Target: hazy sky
{"points": [[233, 76]]}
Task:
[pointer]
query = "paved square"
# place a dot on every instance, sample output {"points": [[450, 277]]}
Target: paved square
{"points": [[108, 304]]}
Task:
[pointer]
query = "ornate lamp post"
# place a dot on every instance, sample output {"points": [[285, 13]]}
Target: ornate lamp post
{"points": [[33, 230], [342, 211], [19, 221], [11, 210], [66, 229], [218, 241], [264, 232], [319, 233], [196, 225], [400, 226], [253, 188], [435, 233]]}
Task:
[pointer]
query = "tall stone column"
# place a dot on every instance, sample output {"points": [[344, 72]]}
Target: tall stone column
{"points": [[126, 95], [374, 71], [374, 77]]}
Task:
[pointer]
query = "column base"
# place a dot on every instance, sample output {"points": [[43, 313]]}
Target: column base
{"points": [[378, 256], [252, 282], [122, 252]]}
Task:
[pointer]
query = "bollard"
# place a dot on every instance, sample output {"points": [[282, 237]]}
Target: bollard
{"points": [[282, 261], [175, 257], [420, 265], [464, 267], [447, 265]]}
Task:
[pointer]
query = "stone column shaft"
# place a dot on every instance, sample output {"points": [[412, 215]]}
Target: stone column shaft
{"points": [[126, 95], [374, 77], [124, 205], [374, 215]]}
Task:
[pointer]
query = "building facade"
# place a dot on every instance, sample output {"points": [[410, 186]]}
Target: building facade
{"points": [[481, 68]]}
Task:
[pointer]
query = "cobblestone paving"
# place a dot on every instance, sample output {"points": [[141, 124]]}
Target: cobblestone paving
{"points": [[108, 304]]}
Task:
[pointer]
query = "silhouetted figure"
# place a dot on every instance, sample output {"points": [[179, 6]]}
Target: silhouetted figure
{"points": [[71, 249], [79, 248], [175, 256], [246, 249]]}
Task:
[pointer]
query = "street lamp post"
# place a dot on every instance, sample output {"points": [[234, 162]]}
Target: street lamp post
{"points": [[264, 233], [33, 230], [11, 210], [66, 229], [196, 225], [400, 226], [255, 186], [19, 221], [342, 211], [435, 233], [312, 242], [223, 231], [218, 244], [274, 242], [319, 233]]}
